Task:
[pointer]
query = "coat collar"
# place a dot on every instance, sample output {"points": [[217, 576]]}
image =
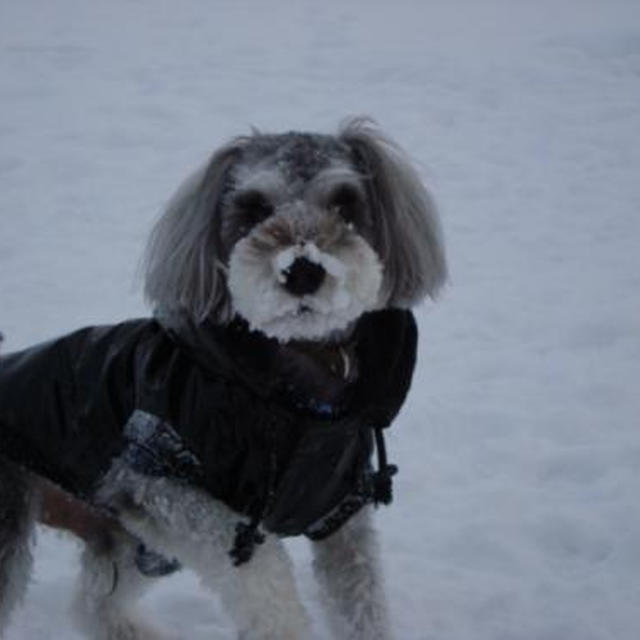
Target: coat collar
{"points": [[384, 344]]}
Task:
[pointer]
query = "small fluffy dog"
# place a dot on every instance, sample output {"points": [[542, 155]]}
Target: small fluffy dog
{"points": [[250, 406]]}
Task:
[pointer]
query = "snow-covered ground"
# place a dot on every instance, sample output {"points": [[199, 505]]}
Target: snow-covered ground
{"points": [[517, 514]]}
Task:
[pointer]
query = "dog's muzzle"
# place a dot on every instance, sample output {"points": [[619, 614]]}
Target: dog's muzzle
{"points": [[303, 277]]}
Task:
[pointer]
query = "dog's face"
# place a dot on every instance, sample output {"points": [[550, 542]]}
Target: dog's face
{"points": [[299, 234], [298, 231]]}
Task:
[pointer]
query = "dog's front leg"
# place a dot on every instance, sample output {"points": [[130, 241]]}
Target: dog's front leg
{"points": [[186, 523], [347, 567]]}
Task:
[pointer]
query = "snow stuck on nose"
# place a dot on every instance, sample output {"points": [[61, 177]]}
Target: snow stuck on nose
{"points": [[334, 292], [284, 259]]}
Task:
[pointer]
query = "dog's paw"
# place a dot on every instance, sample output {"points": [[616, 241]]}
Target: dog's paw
{"points": [[105, 625], [129, 629], [138, 630]]}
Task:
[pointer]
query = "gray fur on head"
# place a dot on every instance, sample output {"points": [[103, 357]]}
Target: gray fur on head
{"points": [[268, 193]]}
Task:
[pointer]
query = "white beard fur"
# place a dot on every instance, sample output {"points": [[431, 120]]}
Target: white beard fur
{"points": [[351, 286]]}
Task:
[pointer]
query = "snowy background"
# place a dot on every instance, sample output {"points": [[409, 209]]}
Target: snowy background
{"points": [[517, 513]]}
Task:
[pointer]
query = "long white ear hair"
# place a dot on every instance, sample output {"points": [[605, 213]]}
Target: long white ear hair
{"points": [[406, 223], [183, 271]]}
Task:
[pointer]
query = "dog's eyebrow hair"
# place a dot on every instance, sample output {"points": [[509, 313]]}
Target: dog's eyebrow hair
{"points": [[328, 181], [270, 181]]}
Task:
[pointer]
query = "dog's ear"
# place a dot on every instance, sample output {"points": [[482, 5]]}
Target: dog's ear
{"points": [[406, 223], [183, 273]]}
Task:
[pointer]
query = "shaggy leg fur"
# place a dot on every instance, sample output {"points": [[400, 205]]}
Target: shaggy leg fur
{"points": [[16, 536], [109, 586], [260, 595], [346, 566]]}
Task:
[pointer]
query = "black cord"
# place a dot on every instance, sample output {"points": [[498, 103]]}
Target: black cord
{"points": [[383, 477]]}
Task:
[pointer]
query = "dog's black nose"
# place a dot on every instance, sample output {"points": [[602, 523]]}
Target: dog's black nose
{"points": [[303, 277]]}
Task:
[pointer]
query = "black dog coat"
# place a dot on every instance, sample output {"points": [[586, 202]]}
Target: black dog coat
{"points": [[206, 408]]}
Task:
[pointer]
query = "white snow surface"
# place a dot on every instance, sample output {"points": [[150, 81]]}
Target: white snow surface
{"points": [[517, 511]]}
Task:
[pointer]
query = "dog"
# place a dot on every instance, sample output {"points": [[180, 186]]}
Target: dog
{"points": [[249, 407]]}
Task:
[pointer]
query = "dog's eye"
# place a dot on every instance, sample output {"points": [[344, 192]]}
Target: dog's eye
{"points": [[347, 203], [253, 206]]}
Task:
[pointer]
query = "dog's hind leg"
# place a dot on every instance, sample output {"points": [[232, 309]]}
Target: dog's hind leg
{"points": [[16, 537], [111, 581]]}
